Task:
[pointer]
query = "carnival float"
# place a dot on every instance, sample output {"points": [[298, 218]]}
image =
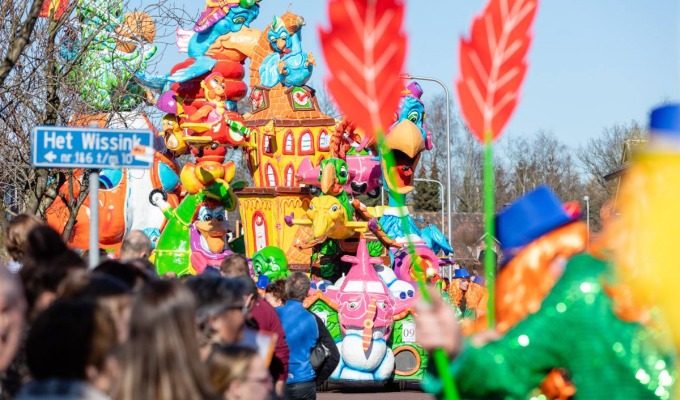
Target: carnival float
{"points": [[301, 213]]}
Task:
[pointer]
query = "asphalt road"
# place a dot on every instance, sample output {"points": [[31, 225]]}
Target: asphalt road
{"points": [[412, 392]]}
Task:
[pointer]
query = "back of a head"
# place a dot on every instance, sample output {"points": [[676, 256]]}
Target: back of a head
{"points": [[145, 265], [92, 286], [297, 286], [43, 243], [47, 262], [234, 265], [135, 245], [215, 294], [227, 364], [17, 233], [163, 345], [247, 285], [68, 337], [278, 290], [124, 272]]}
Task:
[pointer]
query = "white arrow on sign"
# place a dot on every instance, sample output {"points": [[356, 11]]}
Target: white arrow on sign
{"points": [[50, 156]]}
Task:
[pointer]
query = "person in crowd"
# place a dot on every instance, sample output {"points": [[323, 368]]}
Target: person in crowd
{"points": [[302, 334], [262, 317], [109, 292], [476, 296], [557, 309], [275, 293], [239, 373], [69, 353], [222, 311], [12, 310], [161, 359], [47, 262], [145, 265], [15, 238], [135, 245], [133, 277], [457, 292], [235, 265]]}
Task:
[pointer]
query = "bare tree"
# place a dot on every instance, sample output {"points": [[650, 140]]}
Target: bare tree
{"points": [[541, 159], [46, 84], [603, 155]]}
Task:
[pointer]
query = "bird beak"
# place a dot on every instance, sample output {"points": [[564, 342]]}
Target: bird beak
{"points": [[406, 142], [328, 178]]}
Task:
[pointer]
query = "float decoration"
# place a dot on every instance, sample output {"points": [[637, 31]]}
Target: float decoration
{"points": [[362, 307], [195, 236], [493, 65], [288, 65], [271, 263], [109, 52], [365, 58], [288, 129]]}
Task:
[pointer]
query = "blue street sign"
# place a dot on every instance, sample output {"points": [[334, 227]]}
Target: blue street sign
{"points": [[92, 148]]}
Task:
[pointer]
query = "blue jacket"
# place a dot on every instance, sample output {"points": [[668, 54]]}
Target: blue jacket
{"points": [[302, 333]]}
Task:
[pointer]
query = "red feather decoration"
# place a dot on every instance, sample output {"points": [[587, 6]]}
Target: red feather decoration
{"points": [[493, 65], [365, 51]]}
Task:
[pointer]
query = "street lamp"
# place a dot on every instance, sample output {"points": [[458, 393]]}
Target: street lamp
{"points": [[441, 194], [587, 200], [448, 146]]}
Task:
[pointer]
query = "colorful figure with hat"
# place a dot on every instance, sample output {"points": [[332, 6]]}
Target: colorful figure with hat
{"points": [[643, 235], [457, 293], [195, 236], [554, 312]]}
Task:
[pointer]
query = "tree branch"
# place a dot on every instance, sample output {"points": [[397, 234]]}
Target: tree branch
{"points": [[21, 41]]}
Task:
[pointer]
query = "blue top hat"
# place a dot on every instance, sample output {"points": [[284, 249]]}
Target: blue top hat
{"points": [[665, 120], [479, 280], [528, 218], [461, 273]]}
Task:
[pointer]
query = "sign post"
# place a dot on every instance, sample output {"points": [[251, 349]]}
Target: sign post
{"points": [[93, 149]]}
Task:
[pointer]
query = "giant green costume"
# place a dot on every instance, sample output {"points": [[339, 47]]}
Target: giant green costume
{"points": [[575, 329]]}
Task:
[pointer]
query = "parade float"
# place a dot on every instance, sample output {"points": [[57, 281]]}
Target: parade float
{"points": [[307, 167]]}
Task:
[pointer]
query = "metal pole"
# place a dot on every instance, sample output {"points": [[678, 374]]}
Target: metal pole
{"points": [[448, 148], [441, 194], [94, 219]]}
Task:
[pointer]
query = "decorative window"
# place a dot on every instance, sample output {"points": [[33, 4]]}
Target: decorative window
{"points": [[306, 144], [324, 141], [267, 144], [260, 230], [272, 179], [290, 176], [289, 143]]}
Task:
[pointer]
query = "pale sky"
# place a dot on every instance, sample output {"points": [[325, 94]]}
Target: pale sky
{"points": [[593, 63]]}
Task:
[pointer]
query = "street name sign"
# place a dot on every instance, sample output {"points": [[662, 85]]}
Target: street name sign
{"points": [[91, 148]]}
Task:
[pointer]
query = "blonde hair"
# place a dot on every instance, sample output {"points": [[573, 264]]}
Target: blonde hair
{"points": [[161, 360], [228, 364]]}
